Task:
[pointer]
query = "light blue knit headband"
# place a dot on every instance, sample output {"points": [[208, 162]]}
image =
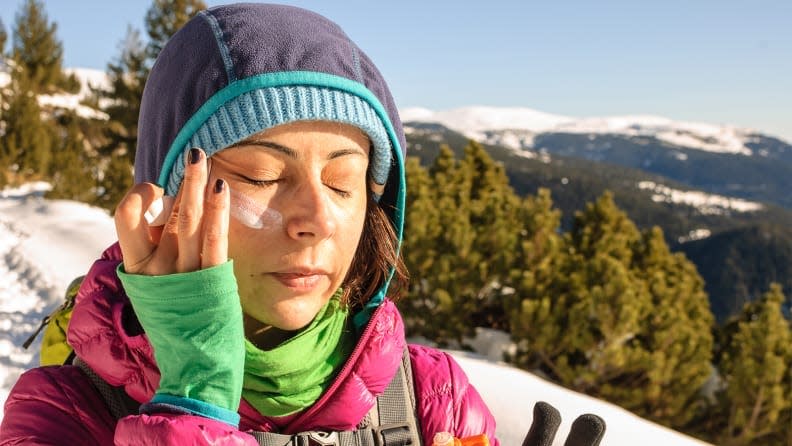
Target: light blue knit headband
{"points": [[260, 109]]}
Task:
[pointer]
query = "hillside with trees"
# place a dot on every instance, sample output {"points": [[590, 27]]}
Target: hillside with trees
{"points": [[574, 182]]}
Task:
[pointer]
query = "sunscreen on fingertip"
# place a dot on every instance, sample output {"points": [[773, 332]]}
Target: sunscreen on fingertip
{"points": [[158, 211]]}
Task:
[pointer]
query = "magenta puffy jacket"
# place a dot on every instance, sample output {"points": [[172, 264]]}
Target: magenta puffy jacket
{"points": [[60, 406]]}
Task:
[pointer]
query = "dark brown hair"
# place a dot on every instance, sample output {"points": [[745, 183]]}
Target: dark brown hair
{"points": [[377, 254]]}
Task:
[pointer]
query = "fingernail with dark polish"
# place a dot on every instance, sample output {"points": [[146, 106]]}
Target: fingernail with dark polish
{"points": [[219, 185], [195, 155]]}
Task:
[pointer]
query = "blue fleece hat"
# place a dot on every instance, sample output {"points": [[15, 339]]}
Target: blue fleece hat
{"points": [[235, 70]]}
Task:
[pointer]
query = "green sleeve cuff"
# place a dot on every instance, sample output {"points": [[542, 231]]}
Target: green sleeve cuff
{"points": [[194, 322]]}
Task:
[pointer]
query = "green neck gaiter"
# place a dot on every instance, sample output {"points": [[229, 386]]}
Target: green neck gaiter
{"points": [[294, 374]]}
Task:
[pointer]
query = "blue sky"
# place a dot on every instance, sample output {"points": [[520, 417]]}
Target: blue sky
{"points": [[726, 62]]}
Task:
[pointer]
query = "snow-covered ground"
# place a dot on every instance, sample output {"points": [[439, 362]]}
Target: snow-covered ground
{"points": [[46, 243], [513, 126]]}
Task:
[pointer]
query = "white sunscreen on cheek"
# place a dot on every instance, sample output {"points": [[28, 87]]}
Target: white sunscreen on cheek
{"points": [[252, 214]]}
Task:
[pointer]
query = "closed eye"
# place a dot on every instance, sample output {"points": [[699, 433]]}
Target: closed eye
{"points": [[341, 193], [260, 183]]}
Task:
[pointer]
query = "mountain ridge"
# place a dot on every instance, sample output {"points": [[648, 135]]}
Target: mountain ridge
{"points": [[473, 121]]}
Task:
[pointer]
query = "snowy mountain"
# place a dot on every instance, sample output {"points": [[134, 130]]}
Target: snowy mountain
{"points": [[47, 243], [510, 126], [720, 160]]}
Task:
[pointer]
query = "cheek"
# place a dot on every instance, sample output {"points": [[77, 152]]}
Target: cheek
{"points": [[244, 244], [352, 225]]}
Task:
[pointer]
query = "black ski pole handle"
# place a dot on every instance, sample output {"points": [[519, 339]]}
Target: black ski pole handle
{"points": [[587, 429], [545, 423]]}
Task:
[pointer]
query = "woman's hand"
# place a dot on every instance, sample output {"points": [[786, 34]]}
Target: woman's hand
{"points": [[195, 235]]}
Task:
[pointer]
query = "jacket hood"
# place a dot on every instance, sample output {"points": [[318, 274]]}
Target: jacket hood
{"points": [[235, 70]]}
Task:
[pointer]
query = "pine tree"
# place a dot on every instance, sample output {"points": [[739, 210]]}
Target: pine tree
{"points": [[3, 39], [580, 325], [438, 248], [114, 177], [421, 229], [36, 50], [127, 78], [127, 75], [539, 257], [460, 233], [71, 176], [611, 312], [756, 364], [26, 146], [494, 217], [677, 334], [165, 17]]}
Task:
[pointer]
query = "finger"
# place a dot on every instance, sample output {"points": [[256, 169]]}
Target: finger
{"points": [[155, 233], [191, 211], [132, 228], [215, 225]]}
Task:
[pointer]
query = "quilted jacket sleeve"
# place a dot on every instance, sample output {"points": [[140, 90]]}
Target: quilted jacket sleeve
{"points": [[175, 429], [59, 405], [55, 406], [446, 401]]}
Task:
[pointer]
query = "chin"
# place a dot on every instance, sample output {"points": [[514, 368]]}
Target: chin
{"points": [[290, 314]]}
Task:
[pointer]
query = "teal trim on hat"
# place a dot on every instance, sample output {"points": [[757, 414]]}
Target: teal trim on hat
{"points": [[260, 102], [225, 101], [264, 108]]}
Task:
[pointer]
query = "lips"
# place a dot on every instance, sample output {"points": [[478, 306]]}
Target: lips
{"points": [[300, 280]]}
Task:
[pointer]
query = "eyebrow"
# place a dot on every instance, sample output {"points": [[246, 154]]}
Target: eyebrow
{"points": [[291, 153]]}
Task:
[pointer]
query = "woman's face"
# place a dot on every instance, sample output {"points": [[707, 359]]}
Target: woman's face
{"points": [[298, 203]]}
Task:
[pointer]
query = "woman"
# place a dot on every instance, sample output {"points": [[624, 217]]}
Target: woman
{"points": [[260, 304]]}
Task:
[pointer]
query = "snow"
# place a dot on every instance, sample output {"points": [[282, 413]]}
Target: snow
{"points": [[88, 78], [481, 118], [696, 234], [708, 204], [70, 102], [46, 243], [511, 394], [483, 123]]}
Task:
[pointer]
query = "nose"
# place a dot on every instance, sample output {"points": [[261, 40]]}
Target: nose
{"points": [[312, 218]]}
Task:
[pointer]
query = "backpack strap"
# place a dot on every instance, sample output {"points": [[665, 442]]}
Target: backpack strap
{"points": [[117, 400], [396, 406], [393, 420]]}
